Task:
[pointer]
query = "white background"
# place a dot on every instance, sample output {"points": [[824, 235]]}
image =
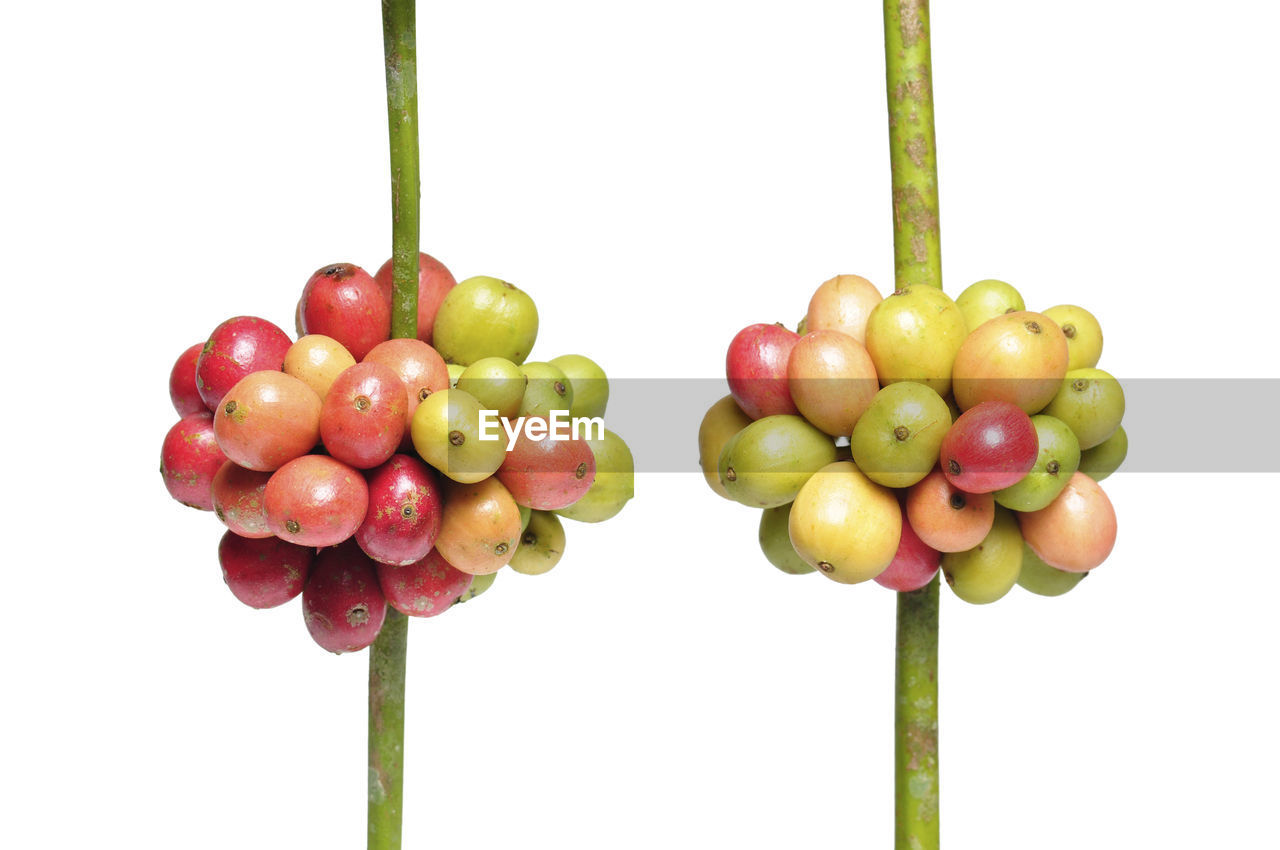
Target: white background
{"points": [[657, 175]]}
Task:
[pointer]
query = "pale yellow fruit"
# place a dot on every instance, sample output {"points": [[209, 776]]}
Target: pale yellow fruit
{"points": [[845, 524], [832, 380], [541, 545], [843, 304], [722, 421], [982, 301], [1020, 358], [1083, 333], [914, 335], [496, 383], [317, 360], [446, 433]]}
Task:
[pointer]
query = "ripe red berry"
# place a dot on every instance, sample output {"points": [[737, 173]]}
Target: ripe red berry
{"points": [[756, 366], [915, 563], [236, 348], [991, 446], [344, 302], [315, 500], [267, 419], [182, 383], [403, 519], [189, 460], [362, 419], [342, 602], [548, 474], [425, 588], [263, 572], [419, 366], [239, 500]]}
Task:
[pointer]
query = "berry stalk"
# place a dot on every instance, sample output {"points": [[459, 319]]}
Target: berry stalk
{"points": [[917, 260], [388, 652]]}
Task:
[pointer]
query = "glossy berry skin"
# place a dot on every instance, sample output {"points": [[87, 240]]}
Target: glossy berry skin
{"points": [[1077, 531], [424, 588], [236, 348], [263, 572], [362, 419], [344, 302], [548, 475], [774, 535], [720, 425], [832, 380], [1017, 357], [315, 500], [342, 602], [988, 571], [1043, 580], [991, 446], [845, 524], [756, 366], [189, 460], [182, 383], [419, 366], [914, 565], [267, 419], [945, 517], [481, 526], [405, 507], [239, 500], [843, 304], [317, 361], [434, 283]]}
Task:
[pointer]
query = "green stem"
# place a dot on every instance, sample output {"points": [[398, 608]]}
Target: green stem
{"points": [[386, 732], [913, 151], [387, 655], [402, 123], [915, 719], [917, 259]]}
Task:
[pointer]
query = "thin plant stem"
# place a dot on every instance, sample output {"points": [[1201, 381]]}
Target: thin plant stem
{"points": [[915, 719], [913, 152], [917, 260], [398, 40], [386, 732], [388, 653]]}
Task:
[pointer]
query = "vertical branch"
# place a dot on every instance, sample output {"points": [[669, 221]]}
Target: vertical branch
{"points": [[388, 653], [398, 39], [917, 259], [913, 151], [915, 720], [386, 732]]}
